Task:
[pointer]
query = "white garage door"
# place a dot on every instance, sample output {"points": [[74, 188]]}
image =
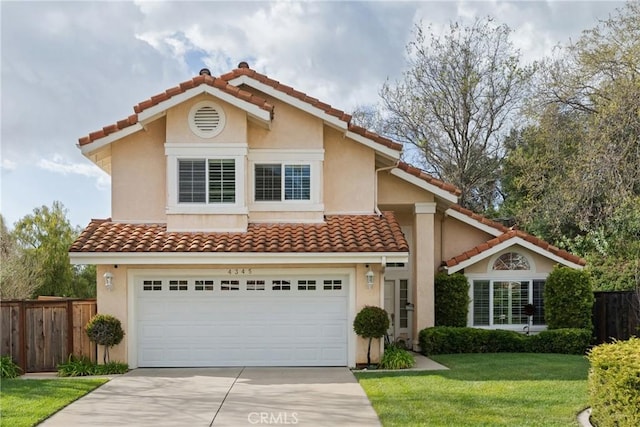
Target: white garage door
{"points": [[242, 321]]}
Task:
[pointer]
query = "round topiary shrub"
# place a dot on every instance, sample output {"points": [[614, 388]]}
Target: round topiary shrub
{"points": [[106, 330], [371, 322], [568, 299], [451, 299]]}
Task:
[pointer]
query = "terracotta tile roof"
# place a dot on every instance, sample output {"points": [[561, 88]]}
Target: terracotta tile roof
{"points": [[245, 71], [430, 179], [169, 93], [510, 234], [482, 219], [339, 233]]}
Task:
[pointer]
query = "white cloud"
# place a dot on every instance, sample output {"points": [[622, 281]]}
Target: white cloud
{"points": [[59, 165], [9, 165]]}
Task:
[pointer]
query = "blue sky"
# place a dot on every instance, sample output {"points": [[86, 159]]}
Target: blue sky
{"points": [[70, 68]]}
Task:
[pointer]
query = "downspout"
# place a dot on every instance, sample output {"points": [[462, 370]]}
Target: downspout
{"points": [[375, 186]]}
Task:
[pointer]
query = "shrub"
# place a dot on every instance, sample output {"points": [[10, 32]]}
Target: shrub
{"points": [[395, 357], [614, 383], [8, 368], [568, 299], [565, 341], [371, 322], [82, 366], [447, 340], [451, 299], [75, 367], [106, 330]]}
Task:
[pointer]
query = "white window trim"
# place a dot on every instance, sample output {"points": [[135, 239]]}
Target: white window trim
{"points": [[205, 151], [513, 275], [492, 276], [313, 158]]}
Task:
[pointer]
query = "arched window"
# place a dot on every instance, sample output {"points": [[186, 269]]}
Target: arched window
{"points": [[511, 261]]}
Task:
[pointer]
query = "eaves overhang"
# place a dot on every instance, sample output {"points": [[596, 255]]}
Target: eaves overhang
{"points": [[237, 258]]}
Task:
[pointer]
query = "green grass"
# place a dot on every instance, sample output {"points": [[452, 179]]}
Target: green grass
{"points": [[504, 389], [27, 402]]}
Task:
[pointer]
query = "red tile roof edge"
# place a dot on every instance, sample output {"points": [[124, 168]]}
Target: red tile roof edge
{"points": [[328, 109], [222, 83], [338, 234], [480, 218], [171, 92], [419, 173], [483, 247], [341, 115]]}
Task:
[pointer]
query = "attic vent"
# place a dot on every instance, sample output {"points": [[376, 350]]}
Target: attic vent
{"points": [[206, 119]]}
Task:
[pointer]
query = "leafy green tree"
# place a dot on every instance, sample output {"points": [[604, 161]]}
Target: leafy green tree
{"points": [[453, 103], [17, 270], [44, 238], [581, 158]]}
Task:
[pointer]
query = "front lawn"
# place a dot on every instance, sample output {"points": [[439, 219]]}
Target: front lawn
{"points": [[504, 389], [26, 402]]}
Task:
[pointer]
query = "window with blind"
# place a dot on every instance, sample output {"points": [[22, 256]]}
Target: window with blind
{"points": [[502, 302], [275, 182], [206, 181]]}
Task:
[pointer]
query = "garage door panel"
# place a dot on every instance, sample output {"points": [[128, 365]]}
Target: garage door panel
{"points": [[242, 328]]}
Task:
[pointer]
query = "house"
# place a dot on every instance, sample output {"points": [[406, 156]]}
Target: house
{"points": [[250, 222]]}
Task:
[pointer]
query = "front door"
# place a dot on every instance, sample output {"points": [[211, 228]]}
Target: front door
{"points": [[396, 297]]}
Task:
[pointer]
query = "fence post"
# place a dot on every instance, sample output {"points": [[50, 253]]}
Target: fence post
{"points": [[23, 336], [69, 327]]}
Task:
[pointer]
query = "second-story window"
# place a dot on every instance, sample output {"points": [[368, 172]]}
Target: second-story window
{"points": [[206, 181], [278, 182]]}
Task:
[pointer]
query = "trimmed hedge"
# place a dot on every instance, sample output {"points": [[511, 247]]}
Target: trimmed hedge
{"points": [[451, 299], [565, 341], [448, 340], [614, 384], [568, 299]]}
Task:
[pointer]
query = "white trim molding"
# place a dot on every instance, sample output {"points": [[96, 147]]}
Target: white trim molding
{"points": [[425, 208], [472, 222], [507, 244], [437, 191]]}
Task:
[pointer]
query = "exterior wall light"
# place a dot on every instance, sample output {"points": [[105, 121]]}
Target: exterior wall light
{"points": [[370, 277], [108, 280]]}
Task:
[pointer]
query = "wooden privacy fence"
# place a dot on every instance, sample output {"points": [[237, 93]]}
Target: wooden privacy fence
{"points": [[41, 334], [616, 314]]}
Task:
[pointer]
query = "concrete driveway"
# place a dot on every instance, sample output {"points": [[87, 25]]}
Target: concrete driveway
{"points": [[223, 397]]}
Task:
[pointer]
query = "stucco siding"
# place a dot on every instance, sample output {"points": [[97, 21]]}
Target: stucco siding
{"points": [[138, 175], [395, 191], [349, 170], [290, 129], [458, 237], [178, 130]]}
